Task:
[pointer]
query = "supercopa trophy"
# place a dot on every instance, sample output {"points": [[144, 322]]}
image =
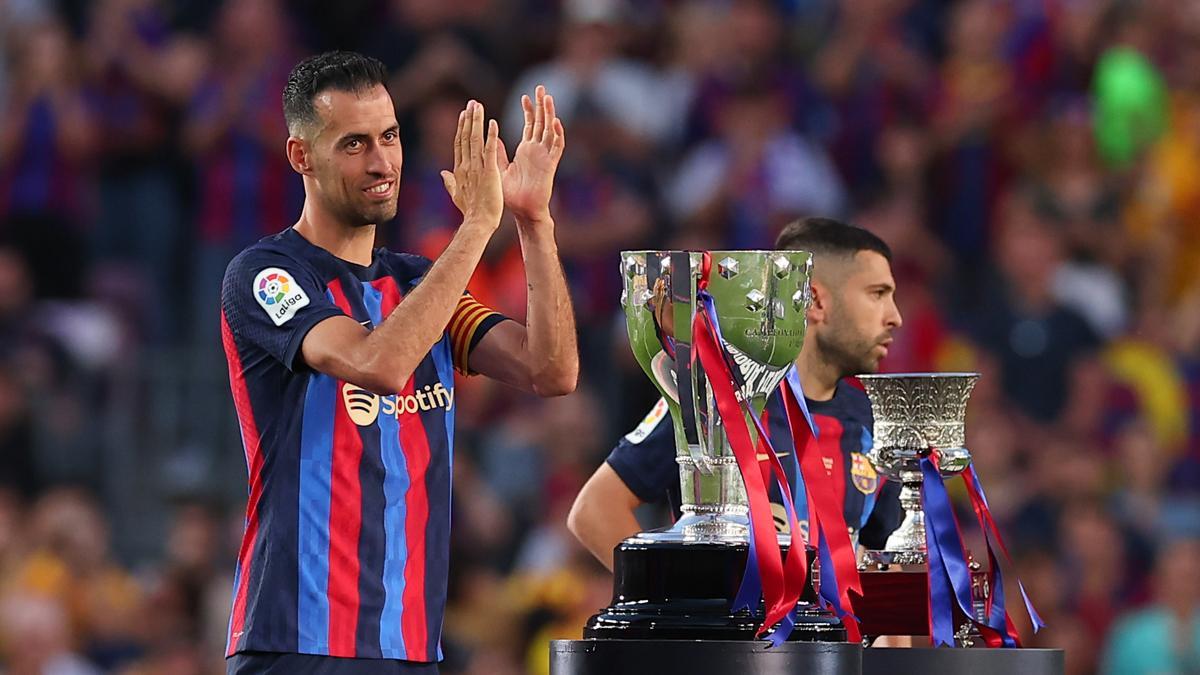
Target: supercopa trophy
{"points": [[680, 583], [916, 415]]}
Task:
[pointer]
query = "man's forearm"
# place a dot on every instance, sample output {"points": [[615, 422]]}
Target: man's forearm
{"points": [[550, 351], [608, 530], [419, 321]]}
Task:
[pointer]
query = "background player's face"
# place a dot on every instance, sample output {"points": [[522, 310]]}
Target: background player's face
{"points": [[356, 155], [861, 314]]}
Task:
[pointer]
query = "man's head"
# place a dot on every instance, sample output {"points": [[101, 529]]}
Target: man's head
{"points": [[853, 311], [343, 136]]}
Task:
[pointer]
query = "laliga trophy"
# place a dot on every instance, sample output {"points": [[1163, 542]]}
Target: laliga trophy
{"points": [[680, 583]]}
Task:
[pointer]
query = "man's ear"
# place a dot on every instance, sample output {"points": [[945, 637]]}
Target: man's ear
{"points": [[818, 309], [298, 156]]}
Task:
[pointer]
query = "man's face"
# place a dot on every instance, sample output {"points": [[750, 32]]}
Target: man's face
{"points": [[860, 313], [356, 155]]}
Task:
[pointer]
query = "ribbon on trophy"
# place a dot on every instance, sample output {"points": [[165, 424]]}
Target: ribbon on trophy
{"points": [[949, 572], [826, 522], [779, 581], [995, 603]]}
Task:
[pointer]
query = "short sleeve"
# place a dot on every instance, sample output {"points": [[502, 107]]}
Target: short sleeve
{"points": [[469, 323], [644, 459], [272, 300]]}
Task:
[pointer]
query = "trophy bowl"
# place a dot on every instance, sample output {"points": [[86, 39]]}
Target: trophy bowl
{"points": [[916, 415], [762, 300]]}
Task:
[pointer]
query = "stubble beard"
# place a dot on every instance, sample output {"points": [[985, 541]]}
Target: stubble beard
{"points": [[357, 216], [850, 354]]}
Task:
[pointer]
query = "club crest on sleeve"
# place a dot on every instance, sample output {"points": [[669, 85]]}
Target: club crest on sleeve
{"points": [[649, 422], [863, 474], [278, 293]]}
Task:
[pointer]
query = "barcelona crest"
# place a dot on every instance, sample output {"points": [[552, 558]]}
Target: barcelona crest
{"points": [[863, 474]]}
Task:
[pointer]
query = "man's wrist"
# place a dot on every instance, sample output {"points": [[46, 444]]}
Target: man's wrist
{"points": [[535, 220], [485, 223], [537, 234]]}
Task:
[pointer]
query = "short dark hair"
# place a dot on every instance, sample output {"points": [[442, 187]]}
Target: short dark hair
{"points": [[341, 71], [829, 237]]}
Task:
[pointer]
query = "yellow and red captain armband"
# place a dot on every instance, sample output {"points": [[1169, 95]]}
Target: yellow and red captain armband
{"points": [[469, 316]]}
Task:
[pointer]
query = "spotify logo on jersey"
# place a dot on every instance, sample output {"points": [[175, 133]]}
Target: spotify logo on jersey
{"points": [[364, 407]]}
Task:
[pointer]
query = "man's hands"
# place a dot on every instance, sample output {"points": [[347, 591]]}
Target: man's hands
{"points": [[529, 179], [484, 180], [474, 185]]}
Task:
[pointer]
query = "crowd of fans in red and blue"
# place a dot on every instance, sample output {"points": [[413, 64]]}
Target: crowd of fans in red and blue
{"points": [[1034, 164]]}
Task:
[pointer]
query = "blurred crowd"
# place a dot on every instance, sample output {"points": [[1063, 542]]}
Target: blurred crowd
{"points": [[1035, 165]]}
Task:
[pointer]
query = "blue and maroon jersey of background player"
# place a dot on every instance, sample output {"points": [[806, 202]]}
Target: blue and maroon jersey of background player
{"points": [[645, 461], [348, 518]]}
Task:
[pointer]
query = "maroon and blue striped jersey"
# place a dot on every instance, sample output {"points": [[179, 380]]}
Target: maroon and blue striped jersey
{"points": [[347, 537], [644, 459]]}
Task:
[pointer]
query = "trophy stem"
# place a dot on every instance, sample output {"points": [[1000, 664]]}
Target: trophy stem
{"points": [[910, 536]]}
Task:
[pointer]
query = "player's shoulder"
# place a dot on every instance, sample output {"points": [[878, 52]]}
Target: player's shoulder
{"points": [[404, 266], [851, 401], [277, 250], [655, 425]]}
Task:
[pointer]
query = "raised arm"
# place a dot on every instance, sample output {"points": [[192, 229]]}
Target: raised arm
{"points": [[541, 356], [383, 359]]}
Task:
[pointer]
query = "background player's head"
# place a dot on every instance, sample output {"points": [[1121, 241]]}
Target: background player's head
{"points": [[853, 310], [343, 137]]}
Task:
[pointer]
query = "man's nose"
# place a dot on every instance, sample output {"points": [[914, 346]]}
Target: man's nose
{"points": [[893, 318], [379, 162]]}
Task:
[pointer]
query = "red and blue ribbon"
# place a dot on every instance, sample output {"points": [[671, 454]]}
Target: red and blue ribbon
{"points": [[996, 607], [826, 520], [950, 580], [779, 581]]}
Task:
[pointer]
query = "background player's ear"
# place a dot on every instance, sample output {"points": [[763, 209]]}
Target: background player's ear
{"points": [[818, 309], [297, 154]]}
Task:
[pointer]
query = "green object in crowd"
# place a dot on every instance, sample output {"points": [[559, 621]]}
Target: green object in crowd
{"points": [[1131, 105]]}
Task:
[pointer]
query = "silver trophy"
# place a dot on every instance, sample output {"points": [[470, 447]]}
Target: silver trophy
{"points": [[761, 298], [916, 414]]}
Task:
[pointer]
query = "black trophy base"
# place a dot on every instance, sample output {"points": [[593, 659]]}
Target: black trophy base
{"points": [[662, 657], [927, 661], [684, 591]]}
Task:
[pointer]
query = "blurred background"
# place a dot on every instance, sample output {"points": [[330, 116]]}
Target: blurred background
{"points": [[1035, 165]]}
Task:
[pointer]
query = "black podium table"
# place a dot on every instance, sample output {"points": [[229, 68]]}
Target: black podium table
{"points": [[703, 657], [926, 661]]}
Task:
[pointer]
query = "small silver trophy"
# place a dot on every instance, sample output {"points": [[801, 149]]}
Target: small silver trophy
{"points": [[916, 414]]}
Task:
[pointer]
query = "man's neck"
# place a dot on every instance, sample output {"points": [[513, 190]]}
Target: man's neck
{"points": [[818, 377], [352, 244]]}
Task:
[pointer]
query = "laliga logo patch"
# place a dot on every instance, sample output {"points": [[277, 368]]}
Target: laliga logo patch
{"points": [[278, 294], [863, 474], [649, 422]]}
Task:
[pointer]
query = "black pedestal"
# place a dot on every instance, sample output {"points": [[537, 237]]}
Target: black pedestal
{"points": [[684, 591], [703, 657], [926, 661]]}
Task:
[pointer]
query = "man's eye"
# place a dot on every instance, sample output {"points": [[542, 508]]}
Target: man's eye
{"points": [[389, 136], [353, 145]]}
